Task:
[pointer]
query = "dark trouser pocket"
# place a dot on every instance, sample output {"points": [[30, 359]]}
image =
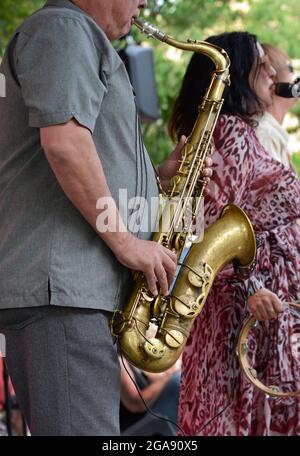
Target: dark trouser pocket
{"points": [[14, 319]]}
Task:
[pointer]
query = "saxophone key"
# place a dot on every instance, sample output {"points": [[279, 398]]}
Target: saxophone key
{"points": [[174, 338], [201, 276], [154, 348], [185, 162], [182, 173], [146, 296], [186, 306]]}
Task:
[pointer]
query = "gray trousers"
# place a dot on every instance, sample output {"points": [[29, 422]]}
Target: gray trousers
{"points": [[64, 368]]}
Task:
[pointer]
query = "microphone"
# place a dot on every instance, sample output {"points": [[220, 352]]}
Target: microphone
{"points": [[287, 90]]}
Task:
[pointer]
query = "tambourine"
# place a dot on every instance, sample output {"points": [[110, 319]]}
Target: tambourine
{"points": [[250, 373]]}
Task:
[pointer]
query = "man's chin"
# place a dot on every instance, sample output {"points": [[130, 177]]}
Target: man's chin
{"points": [[127, 29]]}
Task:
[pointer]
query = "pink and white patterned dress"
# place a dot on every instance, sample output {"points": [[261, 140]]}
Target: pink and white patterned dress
{"points": [[215, 398]]}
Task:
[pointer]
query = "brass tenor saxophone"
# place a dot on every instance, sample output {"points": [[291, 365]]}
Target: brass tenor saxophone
{"points": [[229, 238]]}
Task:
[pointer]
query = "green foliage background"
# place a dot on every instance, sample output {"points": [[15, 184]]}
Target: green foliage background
{"points": [[275, 21]]}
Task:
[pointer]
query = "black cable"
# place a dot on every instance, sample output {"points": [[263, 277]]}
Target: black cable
{"points": [[215, 416], [159, 417]]}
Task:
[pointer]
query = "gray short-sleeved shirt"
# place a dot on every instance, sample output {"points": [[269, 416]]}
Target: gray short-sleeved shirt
{"points": [[59, 65]]}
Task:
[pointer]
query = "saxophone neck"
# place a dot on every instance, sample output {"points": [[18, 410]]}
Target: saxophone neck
{"points": [[215, 53], [150, 30]]}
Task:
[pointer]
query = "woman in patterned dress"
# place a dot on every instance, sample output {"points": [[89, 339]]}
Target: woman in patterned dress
{"points": [[215, 397]]}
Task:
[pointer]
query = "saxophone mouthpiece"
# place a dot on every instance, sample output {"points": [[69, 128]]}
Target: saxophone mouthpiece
{"points": [[149, 29]]}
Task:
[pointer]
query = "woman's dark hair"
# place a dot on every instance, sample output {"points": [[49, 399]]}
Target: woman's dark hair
{"points": [[239, 98]]}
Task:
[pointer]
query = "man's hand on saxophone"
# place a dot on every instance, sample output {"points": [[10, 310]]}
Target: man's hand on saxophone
{"points": [[158, 263]]}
